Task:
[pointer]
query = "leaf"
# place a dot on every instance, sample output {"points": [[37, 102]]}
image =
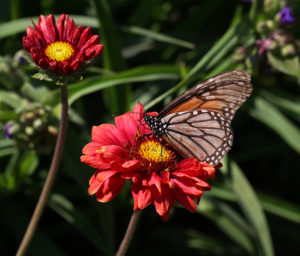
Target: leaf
{"points": [[289, 66], [250, 205], [62, 206], [274, 119], [157, 36], [11, 99], [289, 103], [93, 84], [17, 26], [28, 163], [228, 41], [227, 220], [42, 77]]}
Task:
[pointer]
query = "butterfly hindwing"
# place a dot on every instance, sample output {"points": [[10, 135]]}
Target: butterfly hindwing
{"points": [[205, 135]]}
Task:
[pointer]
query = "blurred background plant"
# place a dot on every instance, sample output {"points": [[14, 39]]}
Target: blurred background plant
{"points": [[153, 51]]}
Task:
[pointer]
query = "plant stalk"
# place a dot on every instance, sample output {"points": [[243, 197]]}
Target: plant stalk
{"points": [[129, 233], [38, 211]]}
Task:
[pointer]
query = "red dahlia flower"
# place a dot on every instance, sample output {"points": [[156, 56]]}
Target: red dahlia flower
{"points": [[61, 48], [158, 176]]}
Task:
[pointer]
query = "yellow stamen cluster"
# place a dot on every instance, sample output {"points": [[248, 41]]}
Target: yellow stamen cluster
{"points": [[153, 151], [59, 51]]}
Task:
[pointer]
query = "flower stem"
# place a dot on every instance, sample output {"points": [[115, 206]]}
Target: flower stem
{"points": [[129, 233], [51, 174]]}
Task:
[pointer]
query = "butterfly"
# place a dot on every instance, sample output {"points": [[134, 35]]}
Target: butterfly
{"points": [[197, 123]]}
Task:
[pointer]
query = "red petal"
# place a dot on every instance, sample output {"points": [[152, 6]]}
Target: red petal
{"points": [[128, 126], [54, 66], [51, 28], [98, 49], [91, 148], [104, 175], [183, 199], [131, 165], [163, 202], [85, 35], [94, 161], [156, 181], [109, 153], [107, 134], [191, 188], [61, 26], [75, 65], [110, 188], [70, 30], [141, 196], [94, 184], [76, 35], [89, 43]]}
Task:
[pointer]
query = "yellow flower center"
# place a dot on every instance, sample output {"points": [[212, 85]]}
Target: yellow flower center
{"points": [[59, 51], [154, 152]]}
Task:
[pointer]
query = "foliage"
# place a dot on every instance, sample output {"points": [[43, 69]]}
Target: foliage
{"points": [[153, 52]]}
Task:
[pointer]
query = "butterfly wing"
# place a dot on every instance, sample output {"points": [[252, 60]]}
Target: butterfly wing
{"points": [[201, 134], [223, 93], [198, 121]]}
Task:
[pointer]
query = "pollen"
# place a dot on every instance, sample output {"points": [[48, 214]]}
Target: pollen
{"points": [[153, 151], [59, 51]]}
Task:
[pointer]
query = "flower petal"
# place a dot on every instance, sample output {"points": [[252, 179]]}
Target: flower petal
{"points": [[107, 134], [128, 126], [141, 196], [110, 188]]}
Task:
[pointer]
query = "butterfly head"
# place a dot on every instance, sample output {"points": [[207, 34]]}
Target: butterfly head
{"points": [[155, 124]]}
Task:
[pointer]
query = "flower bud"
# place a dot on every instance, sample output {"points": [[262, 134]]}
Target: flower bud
{"points": [[288, 50], [37, 124], [52, 130], [29, 130]]}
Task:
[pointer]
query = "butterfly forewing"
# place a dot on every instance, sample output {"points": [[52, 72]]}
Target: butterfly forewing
{"points": [[203, 134], [223, 93]]}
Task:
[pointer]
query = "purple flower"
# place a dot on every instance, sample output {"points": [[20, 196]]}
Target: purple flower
{"points": [[7, 130], [248, 1], [286, 16]]}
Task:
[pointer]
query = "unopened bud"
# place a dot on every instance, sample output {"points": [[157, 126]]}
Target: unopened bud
{"points": [[52, 130], [288, 50], [37, 124], [29, 130]]}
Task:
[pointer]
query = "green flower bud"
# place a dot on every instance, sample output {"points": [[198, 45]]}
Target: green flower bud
{"points": [[37, 124], [288, 50], [29, 130]]}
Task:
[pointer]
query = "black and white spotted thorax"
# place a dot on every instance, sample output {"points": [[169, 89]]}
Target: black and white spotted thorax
{"points": [[157, 127]]}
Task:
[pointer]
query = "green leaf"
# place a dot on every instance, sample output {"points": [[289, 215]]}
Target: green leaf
{"points": [[62, 206], [157, 36], [280, 207], [17, 26], [8, 115], [93, 84], [273, 118], [11, 99], [250, 205], [289, 66], [28, 163], [289, 103], [273, 205], [227, 220], [216, 53]]}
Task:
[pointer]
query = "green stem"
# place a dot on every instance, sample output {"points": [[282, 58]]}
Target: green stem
{"points": [[129, 233], [38, 211]]}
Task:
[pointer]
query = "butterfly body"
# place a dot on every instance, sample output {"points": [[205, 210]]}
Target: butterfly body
{"points": [[197, 123]]}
